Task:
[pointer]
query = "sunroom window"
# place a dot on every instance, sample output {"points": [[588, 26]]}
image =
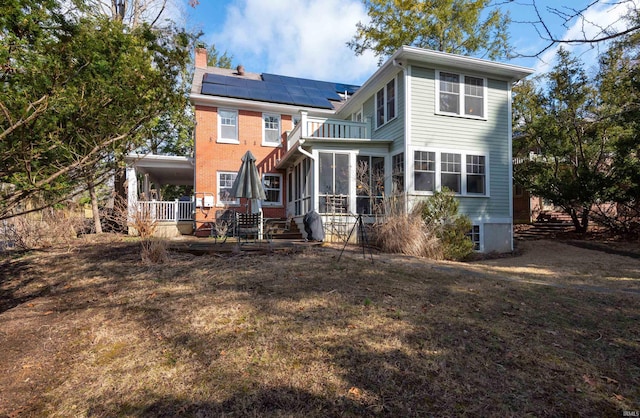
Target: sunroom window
{"points": [[333, 182]]}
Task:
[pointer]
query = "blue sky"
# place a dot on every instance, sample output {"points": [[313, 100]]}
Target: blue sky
{"points": [[307, 38]]}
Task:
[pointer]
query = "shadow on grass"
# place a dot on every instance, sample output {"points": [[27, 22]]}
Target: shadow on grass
{"points": [[402, 342], [276, 401]]}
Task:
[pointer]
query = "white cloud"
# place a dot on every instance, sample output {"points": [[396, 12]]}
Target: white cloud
{"points": [[304, 38]]}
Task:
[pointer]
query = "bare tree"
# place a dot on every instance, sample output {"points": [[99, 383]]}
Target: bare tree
{"points": [[590, 31]]}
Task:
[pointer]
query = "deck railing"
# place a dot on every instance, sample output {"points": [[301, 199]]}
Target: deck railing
{"points": [[167, 211], [313, 127]]}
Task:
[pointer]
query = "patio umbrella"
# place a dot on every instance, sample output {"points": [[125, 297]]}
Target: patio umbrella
{"points": [[247, 183]]}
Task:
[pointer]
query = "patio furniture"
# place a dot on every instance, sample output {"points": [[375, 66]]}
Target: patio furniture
{"points": [[249, 226]]}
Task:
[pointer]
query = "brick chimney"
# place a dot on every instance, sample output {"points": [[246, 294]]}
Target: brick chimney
{"points": [[201, 57]]}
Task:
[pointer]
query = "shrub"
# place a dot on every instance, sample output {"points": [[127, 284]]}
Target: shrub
{"points": [[406, 234], [440, 214], [40, 229]]}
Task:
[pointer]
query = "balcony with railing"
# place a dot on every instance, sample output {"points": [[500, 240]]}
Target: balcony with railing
{"points": [[328, 129]]}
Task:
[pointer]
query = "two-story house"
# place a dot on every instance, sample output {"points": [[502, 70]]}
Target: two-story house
{"points": [[424, 120]]}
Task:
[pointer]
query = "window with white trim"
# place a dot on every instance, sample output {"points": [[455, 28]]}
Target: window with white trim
{"points": [[272, 184], [228, 126], [433, 170], [460, 94], [333, 182], [369, 184], [386, 103], [476, 174], [474, 236], [424, 176], [397, 173], [450, 171], [225, 184], [271, 129]]}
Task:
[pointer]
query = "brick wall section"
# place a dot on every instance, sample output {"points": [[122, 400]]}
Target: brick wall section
{"points": [[212, 157]]}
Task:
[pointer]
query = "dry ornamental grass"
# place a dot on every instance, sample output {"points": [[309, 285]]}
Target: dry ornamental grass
{"points": [[96, 332]]}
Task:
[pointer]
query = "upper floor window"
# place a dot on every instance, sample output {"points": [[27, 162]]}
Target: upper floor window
{"points": [[273, 189], [228, 126], [271, 129], [461, 94], [386, 103]]}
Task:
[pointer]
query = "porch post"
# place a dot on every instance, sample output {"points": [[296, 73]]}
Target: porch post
{"points": [[132, 192], [304, 131], [176, 210]]}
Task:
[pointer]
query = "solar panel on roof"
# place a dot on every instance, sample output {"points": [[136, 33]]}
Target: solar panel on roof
{"points": [[280, 97], [239, 92], [214, 89], [215, 79], [277, 89], [319, 102], [273, 78], [233, 81]]}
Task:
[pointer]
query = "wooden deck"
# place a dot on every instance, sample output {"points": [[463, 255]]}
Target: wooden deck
{"points": [[201, 246]]}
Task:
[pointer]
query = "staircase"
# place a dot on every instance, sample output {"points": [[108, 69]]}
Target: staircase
{"points": [[547, 226], [283, 229]]}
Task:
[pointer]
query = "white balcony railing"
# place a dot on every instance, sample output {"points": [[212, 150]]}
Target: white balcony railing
{"points": [[323, 128], [167, 211]]}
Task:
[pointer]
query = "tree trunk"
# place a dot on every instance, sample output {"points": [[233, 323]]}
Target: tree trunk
{"points": [[94, 207]]}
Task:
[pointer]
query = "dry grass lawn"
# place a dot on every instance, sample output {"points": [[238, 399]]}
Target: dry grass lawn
{"points": [[89, 330]]}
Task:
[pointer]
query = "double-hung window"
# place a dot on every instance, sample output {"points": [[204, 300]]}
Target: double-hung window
{"points": [[271, 129], [225, 184], [462, 173], [273, 189], [461, 95], [228, 126], [476, 174], [386, 103], [424, 176], [450, 171]]}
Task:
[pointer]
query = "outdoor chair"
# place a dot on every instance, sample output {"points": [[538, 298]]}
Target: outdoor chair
{"points": [[249, 226]]}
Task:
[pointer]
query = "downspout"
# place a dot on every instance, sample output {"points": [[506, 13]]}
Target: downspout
{"points": [[303, 151]]}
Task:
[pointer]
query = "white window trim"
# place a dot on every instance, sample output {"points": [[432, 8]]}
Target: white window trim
{"points": [[279, 202], [385, 100], [480, 226], [461, 103], [219, 201], [463, 172], [222, 140], [357, 116], [264, 129]]}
